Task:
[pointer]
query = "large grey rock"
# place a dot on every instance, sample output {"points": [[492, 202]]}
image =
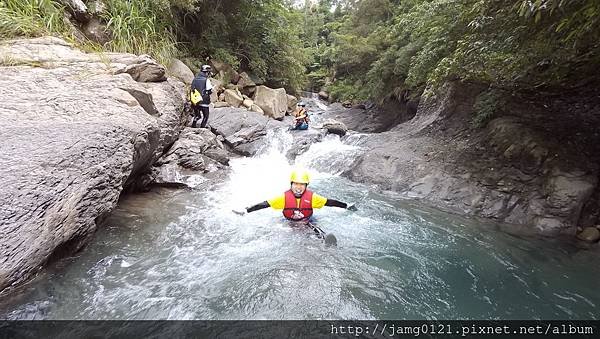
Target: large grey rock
{"points": [[233, 98], [507, 171], [335, 127], [370, 118], [302, 140], [196, 150], [243, 130], [192, 148], [171, 175], [272, 101], [70, 147], [180, 70], [324, 95], [292, 101], [144, 69]]}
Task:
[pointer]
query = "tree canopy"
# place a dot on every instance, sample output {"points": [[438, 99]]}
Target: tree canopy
{"points": [[375, 48], [356, 49]]}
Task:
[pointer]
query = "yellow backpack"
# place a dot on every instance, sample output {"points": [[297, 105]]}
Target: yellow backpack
{"points": [[195, 97]]}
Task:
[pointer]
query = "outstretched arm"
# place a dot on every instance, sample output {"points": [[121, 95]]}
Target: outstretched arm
{"points": [[258, 206], [336, 203], [319, 201], [277, 203], [253, 208]]}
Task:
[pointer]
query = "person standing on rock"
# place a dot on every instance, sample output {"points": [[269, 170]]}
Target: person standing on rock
{"points": [[200, 95]]}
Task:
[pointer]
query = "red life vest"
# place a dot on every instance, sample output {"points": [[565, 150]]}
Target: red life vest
{"points": [[291, 210]]}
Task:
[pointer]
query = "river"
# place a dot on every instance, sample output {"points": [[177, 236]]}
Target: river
{"points": [[182, 254]]}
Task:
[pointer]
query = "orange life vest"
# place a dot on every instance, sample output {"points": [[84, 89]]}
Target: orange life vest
{"points": [[293, 211]]}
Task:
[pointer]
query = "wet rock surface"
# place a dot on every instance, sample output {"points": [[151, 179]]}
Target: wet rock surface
{"points": [[197, 151], [241, 129], [510, 171], [75, 133]]}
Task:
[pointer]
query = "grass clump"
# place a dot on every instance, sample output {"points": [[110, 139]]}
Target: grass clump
{"points": [[141, 27], [31, 18]]}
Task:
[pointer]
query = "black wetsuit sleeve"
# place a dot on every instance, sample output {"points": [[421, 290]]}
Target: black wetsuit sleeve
{"points": [[258, 206], [335, 203]]}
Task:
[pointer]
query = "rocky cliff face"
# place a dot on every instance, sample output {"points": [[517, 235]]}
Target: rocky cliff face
{"points": [[76, 129], [522, 168]]}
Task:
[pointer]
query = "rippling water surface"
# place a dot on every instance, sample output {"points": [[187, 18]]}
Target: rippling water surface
{"points": [[182, 254]]}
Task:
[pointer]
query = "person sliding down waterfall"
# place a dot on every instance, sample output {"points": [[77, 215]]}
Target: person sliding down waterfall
{"points": [[200, 95], [298, 203], [300, 118]]}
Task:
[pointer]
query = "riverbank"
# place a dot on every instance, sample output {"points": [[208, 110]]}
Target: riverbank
{"points": [[527, 172]]}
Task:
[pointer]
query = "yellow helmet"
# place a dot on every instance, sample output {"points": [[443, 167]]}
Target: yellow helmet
{"points": [[300, 176]]}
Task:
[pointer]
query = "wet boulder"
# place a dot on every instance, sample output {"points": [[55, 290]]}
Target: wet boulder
{"points": [[242, 130], [531, 181], [192, 148], [589, 234], [335, 127], [302, 141], [196, 150]]}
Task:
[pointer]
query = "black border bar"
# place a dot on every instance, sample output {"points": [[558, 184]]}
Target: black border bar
{"points": [[15, 329]]}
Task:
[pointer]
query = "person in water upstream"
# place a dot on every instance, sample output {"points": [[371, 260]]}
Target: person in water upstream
{"points": [[301, 119], [298, 202]]}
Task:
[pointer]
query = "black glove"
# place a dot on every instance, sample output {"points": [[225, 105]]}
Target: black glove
{"points": [[352, 208]]}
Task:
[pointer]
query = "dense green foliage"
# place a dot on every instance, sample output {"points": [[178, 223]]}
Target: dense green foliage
{"points": [[141, 27], [356, 49], [378, 48], [30, 18], [261, 36]]}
